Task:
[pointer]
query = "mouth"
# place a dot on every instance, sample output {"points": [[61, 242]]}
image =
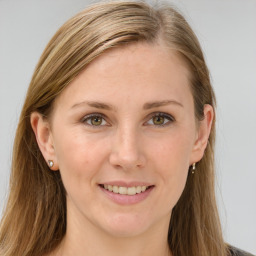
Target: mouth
{"points": [[122, 190]]}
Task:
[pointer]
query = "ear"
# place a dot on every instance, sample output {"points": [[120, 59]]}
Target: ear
{"points": [[203, 133], [41, 128]]}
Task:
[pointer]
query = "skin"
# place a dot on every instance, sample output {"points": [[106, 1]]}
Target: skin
{"points": [[129, 144]]}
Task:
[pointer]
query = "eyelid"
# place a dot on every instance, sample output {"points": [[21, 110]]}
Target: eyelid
{"points": [[87, 117], [169, 117], [161, 114]]}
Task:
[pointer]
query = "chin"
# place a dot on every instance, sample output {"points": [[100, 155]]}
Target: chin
{"points": [[126, 226]]}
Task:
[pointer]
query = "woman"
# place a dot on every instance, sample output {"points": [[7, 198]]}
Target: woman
{"points": [[114, 150]]}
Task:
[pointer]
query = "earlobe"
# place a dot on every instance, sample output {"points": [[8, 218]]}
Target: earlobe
{"points": [[42, 131], [204, 130]]}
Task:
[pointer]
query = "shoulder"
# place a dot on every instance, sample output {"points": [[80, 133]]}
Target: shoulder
{"points": [[237, 252]]}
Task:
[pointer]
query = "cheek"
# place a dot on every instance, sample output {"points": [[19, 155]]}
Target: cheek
{"points": [[170, 158], [173, 151], [79, 157]]}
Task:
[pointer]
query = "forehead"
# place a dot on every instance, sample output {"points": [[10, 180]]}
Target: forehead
{"points": [[135, 70], [144, 56]]}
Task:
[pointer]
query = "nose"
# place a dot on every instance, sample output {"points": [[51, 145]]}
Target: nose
{"points": [[127, 150]]}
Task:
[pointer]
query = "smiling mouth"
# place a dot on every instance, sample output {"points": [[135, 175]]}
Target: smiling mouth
{"points": [[131, 191]]}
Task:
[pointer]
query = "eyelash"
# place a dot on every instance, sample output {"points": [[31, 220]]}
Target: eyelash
{"points": [[168, 119], [90, 117]]}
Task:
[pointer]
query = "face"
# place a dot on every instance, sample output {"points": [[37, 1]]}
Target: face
{"points": [[127, 124]]}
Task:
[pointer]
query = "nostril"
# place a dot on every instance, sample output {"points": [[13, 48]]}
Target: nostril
{"points": [[127, 160]]}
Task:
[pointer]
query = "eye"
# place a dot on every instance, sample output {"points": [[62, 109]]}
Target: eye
{"points": [[94, 120], [160, 119]]}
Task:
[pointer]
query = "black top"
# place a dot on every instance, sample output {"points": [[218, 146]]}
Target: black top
{"points": [[237, 252]]}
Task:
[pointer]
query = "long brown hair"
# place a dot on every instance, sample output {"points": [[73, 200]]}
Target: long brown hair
{"points": [[34, 221]]}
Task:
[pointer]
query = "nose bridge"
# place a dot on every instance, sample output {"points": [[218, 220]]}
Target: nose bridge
{"points": [[127, 148], [127, 141]]}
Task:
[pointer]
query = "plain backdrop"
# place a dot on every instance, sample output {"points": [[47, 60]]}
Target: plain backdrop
{"points": [[227, 32]]}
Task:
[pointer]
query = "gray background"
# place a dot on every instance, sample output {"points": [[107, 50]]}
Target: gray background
{"points": [[227, 31]]}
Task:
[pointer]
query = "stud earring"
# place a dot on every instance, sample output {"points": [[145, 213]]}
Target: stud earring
{"points": [[193, 168], [50, 163]]}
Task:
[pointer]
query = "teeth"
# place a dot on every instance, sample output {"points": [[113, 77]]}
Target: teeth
{"points": [[125, 190], [131, 191], [115, 189], [138, 190], [122, 190]]}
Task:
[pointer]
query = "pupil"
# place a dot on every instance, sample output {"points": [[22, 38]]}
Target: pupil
{"points": [[158, 120], [96, 120]]}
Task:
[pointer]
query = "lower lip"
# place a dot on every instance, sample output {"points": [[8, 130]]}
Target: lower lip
{"points": [[127, 199]]}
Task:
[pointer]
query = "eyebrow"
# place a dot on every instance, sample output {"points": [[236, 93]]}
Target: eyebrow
{"points": [[95, 104], [156, 104], [146, 106]]}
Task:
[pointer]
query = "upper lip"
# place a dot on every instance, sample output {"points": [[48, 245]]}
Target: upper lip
{"points": [[126, 184]]}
